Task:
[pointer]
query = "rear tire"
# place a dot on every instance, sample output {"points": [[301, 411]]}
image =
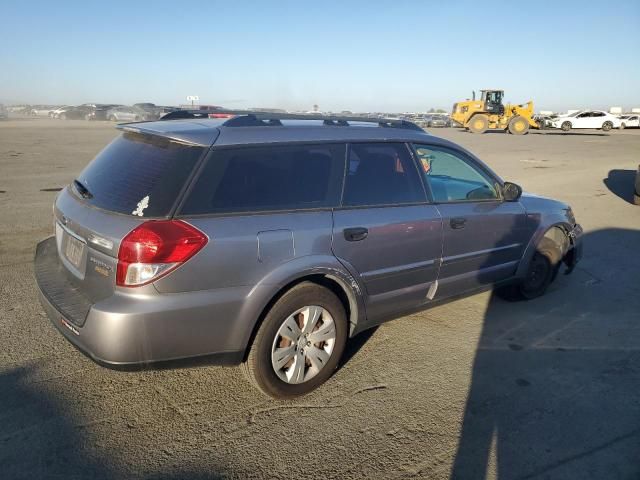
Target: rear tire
{"points": [[518, 125], [260, 367], [479, 123], [541, 272], [606, 126], [566, 126]]}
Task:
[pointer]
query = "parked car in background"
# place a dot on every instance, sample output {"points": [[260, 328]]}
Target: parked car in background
{"points": [[630, 121], [41, 110], [56, 113], [4, 113], [129, 114], [545, 121], [23, 110], [87, 111], [79, 112], [164, 110], [100, 110], [153, 111], [596, 119], [438, 121], [158, 252]]}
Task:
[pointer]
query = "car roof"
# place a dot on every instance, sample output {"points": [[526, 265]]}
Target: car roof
{"points": [[206, 131]]}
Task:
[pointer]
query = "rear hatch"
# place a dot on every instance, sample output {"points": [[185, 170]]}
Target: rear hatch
{"points": [[138, 177]]}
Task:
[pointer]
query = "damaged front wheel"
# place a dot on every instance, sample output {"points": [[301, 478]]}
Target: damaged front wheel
{"points": [[542, 270]]}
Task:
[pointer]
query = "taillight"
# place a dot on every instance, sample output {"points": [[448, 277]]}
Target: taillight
{"points": [[154, 248]]}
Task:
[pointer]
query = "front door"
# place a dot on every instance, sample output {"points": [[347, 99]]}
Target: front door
{"points": [[483, 236], [386, 233], [582, 120]]}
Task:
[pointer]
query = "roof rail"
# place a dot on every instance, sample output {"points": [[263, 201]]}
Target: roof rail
{"points": [[247, 118]]}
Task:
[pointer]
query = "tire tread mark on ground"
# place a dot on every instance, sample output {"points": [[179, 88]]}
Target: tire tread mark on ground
{"points": [[172, 404], [252, 417], [15, 264]]}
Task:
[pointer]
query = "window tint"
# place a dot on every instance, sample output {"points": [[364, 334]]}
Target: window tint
{"points": [[381, 174], [452, 179], [139, 173], [268, 178]]}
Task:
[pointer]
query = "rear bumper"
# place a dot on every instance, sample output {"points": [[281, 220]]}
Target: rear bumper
{"points": [[132, 329]]}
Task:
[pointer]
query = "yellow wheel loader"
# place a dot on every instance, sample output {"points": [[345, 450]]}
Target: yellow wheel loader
{"points": [[489, 113]]}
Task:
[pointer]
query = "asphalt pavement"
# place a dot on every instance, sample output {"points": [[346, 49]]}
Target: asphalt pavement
{"points": [[477, 388]]}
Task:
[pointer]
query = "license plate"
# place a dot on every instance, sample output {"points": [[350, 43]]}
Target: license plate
{"points": [[73, 251]]}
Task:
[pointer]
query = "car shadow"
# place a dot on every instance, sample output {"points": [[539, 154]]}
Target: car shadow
{"points": [[41, 437], [355, 344], [554, 389], [621, 183]]}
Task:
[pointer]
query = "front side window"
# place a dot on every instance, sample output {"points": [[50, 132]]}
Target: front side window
{"points": [[268, 178], [453, 179], [381, 174]]}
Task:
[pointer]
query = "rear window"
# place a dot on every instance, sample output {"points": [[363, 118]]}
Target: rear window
{"points": [[139, 174], [268, 178]]}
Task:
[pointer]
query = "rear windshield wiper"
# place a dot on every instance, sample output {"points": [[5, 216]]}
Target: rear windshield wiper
{"points": [[82, 190]]}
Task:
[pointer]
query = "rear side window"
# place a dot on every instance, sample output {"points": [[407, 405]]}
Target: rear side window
{"points": [[139, 174], [268, 178], [381, 174]]}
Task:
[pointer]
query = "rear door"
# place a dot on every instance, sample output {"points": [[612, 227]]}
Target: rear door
{"points": [[386, 232], [262, 206], [483, 236], [597, 119]]}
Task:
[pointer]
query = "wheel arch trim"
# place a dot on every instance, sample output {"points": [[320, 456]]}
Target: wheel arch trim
{"points": [[546, 230], [323, 270]]}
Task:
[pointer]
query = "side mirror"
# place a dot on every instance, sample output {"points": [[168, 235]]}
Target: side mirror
{"points": [[511, 192]]}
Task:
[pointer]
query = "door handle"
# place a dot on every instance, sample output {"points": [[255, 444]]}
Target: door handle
{"points": [[457, 222], [355, 234]]}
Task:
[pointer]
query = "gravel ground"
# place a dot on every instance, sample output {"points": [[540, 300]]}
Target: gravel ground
{"points": [[547, 389]]}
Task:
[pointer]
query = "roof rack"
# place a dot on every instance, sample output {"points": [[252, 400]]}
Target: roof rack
{"points": [[247, 118]]}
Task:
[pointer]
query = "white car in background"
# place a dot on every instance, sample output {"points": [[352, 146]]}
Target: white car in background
{"points": [[56, 113], [630, 120], [587, 119]]}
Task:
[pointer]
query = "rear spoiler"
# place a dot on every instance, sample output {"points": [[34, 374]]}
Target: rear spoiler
{"points": [[177, 136]]}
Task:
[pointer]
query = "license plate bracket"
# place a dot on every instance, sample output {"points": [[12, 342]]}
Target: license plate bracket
{"points": [[73, 251]]}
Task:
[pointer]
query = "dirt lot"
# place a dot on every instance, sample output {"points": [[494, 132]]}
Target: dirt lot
{"points": [[546, 389]]}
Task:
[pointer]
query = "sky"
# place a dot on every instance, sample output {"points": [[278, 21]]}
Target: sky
{"points": [[363, 56]]}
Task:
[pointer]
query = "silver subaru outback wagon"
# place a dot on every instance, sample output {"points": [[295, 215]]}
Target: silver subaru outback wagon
{"points": [[268, 240]]}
